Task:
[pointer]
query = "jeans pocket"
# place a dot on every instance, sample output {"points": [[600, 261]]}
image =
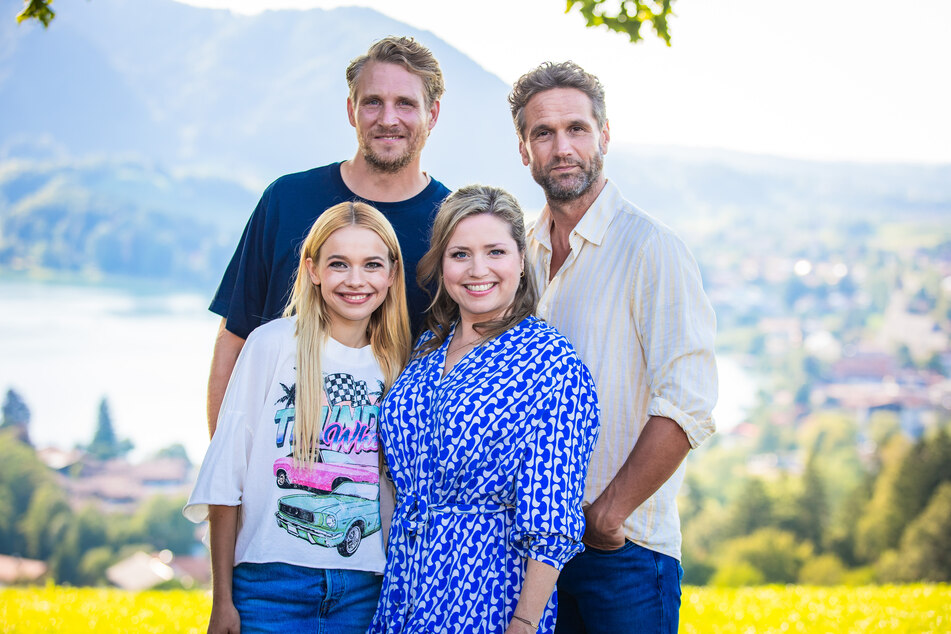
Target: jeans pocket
{"points": [[617, 551]]}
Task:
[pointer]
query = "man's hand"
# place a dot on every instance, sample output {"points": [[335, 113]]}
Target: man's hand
{"points": [[601, 531]]}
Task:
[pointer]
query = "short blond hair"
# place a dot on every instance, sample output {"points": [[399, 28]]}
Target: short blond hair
{"points": [[408, 53]]}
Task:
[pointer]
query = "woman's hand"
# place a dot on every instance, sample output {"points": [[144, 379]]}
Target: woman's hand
{"points": [[224, 619]]}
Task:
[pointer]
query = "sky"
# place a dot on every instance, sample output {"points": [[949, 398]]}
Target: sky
{"points": [[857, 80]]}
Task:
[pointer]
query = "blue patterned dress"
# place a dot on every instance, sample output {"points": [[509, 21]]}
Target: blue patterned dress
{"points": [[489, 464]]}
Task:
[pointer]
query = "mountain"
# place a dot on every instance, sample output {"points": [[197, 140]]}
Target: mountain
{"points": [[249, 96], [136, 136]]}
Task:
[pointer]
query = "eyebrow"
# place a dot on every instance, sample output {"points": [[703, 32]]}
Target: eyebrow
{"points": [[335, 256]]}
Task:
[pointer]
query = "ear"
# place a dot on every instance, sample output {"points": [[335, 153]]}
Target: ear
{"points": [[350, 112], [605, 137], [433, 115], [312, 271], [524, 152]]}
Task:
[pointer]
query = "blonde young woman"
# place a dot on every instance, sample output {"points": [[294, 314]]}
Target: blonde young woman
{"points": [[290, 482]]}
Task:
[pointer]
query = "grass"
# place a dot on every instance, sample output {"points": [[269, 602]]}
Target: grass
{"points": [[910, 608]]}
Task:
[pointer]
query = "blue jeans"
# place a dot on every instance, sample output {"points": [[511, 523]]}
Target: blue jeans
{"points": [[631, 589], [279, 597]]}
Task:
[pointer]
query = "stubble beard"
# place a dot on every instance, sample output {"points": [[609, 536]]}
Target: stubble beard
{"points": [[392, 165], [566, 189]]}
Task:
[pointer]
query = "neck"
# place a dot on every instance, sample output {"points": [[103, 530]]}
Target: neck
{"points": [[565, 214], [352, 334], [369, 183]]}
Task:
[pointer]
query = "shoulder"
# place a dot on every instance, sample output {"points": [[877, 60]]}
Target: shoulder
{"points": [[275, 333], [638, 230], [297, 181], [537, 337]]}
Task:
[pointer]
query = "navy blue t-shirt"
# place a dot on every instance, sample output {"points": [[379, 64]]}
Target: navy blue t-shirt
{"points": [[258, 281]]}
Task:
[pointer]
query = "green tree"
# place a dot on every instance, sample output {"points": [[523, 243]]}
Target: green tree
{"points": [[774, 553], [21, 473], [925, 550], [16, 415], [751, 510], [160, 523], [45, 521], [811, 506], [105, 444]]}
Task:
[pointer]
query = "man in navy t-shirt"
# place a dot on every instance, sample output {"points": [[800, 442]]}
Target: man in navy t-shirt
{"points": [[393, 105]]}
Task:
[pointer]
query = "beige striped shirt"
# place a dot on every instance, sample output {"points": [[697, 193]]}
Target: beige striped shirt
{"points": [[630, 299]]}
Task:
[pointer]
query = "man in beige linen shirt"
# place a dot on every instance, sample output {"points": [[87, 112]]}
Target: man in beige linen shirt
{"points": [[628, 294]]}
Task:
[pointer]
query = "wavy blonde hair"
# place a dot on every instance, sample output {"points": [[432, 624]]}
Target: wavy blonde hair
{"points": [[463, 203], [388, 329]]}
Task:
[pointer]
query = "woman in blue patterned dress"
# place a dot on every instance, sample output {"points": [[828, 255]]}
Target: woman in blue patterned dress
{"points": [[487, 434]]}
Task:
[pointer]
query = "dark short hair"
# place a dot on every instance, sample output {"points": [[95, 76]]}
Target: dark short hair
{"points": [[409, 54], [551, 75]]}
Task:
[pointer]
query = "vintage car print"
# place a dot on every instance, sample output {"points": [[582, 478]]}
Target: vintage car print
{"points": [[342, 518], [321, 477]]}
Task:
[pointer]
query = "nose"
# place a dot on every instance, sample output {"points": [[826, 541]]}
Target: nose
{"points": [[354, 277], [563, 145], [478, 266], [388, 116]]}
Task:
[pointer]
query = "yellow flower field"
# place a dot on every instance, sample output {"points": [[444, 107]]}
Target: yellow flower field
{"points": [[911, 608]]}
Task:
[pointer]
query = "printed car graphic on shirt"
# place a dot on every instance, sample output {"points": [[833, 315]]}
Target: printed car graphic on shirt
{"points": [[321, 476], [342, 518]]}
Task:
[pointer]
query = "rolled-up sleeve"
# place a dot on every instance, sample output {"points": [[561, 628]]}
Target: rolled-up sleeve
{"points": [[677, 327], [549, 521]]}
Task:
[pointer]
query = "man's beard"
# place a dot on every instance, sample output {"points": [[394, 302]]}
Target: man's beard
{"points": [[392, 165], [571, 187]]}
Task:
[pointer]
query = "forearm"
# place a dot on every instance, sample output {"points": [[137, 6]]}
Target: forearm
{"points": [[658, 452], [223, 526], [227, 348], [537, 587]]}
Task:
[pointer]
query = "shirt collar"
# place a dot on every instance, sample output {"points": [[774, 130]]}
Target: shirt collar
{"points": [[593, 224]]}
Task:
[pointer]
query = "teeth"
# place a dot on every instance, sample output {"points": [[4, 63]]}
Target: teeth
{"points": [[356, 298], [480, 287]]}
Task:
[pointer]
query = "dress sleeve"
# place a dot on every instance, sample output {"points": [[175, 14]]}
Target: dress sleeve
{"points": [[242, 293], [221, 478], [549, 521]]}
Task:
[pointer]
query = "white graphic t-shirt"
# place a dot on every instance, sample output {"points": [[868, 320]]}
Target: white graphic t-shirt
{"points": [[326, 515]]}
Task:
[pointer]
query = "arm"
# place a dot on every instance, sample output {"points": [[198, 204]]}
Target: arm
{"points": [[227, 348], [224, 531], [659, 450], [537, 587]]}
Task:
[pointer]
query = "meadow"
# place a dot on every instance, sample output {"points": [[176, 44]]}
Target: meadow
{"points": [[905, 608]]}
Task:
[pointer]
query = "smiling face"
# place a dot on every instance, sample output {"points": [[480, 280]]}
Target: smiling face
{"points": [[354, 273], [564, 146], [388, 109], [481, 267]]}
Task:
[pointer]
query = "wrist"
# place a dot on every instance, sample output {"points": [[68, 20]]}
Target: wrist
{"points": [[532, 624]]}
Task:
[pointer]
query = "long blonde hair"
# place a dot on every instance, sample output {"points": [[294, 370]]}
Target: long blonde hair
{"points": [[388, 329]]}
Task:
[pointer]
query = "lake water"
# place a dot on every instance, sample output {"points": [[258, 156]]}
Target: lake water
{"points": [[65, 347]]}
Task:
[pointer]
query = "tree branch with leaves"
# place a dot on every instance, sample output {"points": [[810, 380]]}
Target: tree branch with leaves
{"points": [[627, 17]]}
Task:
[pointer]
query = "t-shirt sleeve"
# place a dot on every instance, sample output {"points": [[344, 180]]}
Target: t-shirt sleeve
{"points": [[242, 294], [549, 520], [221, 479]]}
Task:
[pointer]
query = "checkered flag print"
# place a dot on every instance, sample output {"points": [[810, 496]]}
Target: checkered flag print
{"points": [[340, 387]]}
